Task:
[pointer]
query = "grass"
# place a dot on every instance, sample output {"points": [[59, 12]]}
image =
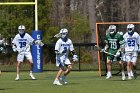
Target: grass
{"points": [[79, 82], [50, 66]]}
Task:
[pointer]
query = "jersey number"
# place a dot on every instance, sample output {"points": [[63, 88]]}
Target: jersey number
{"points": [[131, 42], [22, 44], [65, 50], [113, 44]]}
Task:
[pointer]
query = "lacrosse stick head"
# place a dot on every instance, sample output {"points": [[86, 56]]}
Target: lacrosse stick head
{"points": [[57, 35], [97, 48]]}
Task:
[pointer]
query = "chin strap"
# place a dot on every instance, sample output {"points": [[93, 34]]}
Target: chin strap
{"points": [[64, 39], [22, 35]]}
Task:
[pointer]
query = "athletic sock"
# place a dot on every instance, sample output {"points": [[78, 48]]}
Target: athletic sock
{"points": [[123, 73], [18, 75], [129, 74], [31, 72]]}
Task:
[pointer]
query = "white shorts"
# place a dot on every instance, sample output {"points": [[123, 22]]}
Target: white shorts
{"points": [[130, 57], [62, 61], [20, 56]]}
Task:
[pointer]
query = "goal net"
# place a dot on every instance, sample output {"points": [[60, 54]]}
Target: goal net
{"points": [[101, 30]]}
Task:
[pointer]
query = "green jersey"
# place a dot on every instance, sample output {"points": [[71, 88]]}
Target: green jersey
{"points": [[114, 42]]}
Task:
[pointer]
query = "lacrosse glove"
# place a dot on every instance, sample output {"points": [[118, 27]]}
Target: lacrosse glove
{"points": [[75, 58]]}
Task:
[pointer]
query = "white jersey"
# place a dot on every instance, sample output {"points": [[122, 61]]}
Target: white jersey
{"points": [[131, 42], [60, 46], [23, 43]]}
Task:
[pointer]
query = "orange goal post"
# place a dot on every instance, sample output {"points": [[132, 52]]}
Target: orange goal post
{"points": [[101, 28]]}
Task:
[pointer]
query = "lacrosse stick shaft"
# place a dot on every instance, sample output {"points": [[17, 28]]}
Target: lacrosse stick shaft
{"points": [[111, 54], [99, 49]]}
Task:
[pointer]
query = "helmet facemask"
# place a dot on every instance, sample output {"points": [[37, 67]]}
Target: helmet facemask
{"points": [[112, 29], [21, 31], [64, 35]]}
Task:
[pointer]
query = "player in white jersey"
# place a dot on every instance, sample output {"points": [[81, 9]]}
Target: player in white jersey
{"points": [[132, 42], [62, 48], [21, 43]]}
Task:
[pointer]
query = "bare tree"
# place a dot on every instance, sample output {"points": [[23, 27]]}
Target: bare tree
{"points": [[127, 10], [92, 23]]}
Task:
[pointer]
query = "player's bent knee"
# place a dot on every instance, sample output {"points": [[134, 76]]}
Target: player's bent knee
{"points": [[109, 62]]}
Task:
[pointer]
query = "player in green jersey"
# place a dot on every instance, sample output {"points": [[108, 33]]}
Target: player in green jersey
{"points": [[114, 42]]}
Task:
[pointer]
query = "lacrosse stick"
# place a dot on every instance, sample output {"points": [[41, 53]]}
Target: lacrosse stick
{"points": [[57, 35], [38, 42], [97, 48]]}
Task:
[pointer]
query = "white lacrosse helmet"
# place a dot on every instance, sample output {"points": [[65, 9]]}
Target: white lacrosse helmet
{"points": [[63, 32], [21, 29], [112, 29], [130, 27]]}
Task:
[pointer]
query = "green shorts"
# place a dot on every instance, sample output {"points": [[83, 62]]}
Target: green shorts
{"points": [[111, 57], [114, 59]]}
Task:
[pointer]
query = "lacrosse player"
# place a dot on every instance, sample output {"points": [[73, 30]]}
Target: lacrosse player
{"points": [[114, 41], [62, 48], [132, 43], [2, 47], [21, 43]]}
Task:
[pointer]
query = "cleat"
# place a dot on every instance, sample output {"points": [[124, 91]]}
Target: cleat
{"points": [[129, 77], [32, 76], [56, 82], [17, 78], [64, 80], [108, 77]]}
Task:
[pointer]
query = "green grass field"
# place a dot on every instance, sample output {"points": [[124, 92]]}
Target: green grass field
{"points": [[79, 82]]}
